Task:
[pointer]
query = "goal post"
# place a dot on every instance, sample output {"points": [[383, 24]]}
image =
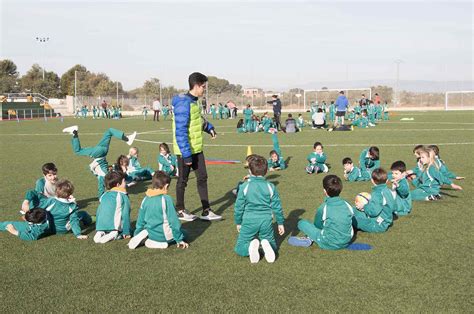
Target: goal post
{"points": [[459, 100], [328, 91]]}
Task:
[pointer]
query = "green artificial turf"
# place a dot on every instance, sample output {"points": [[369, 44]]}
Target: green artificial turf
{"points": [[423, 263]]}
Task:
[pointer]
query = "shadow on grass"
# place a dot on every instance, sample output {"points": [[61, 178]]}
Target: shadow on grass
{"points": [[85, 202], [198, 227], [291, 225], [447, 194]]}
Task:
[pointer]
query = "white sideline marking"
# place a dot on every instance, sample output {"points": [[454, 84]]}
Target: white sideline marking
{"points": [[306, 145]]}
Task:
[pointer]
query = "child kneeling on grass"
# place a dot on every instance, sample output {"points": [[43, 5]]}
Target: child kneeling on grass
{"points": [[377, 214], [257, 202], [158, 221], [35, 225], [332, 226], [113, 214]]}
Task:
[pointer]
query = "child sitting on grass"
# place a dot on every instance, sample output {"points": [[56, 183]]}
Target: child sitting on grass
{"points": [[317, 160], [332, 226], [135, 170], [241, 126], [442, 165], [246, 177], [401, 189], [158, 221], [47, 184], [167, 162], [257, 202], [63, 212], [353, 173], [369, 159], [35, 225], [276, 161], [377, 214], [113, 214]]}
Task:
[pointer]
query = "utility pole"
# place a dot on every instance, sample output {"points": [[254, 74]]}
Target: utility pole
{"points": [[75, 89], [397, 62]]}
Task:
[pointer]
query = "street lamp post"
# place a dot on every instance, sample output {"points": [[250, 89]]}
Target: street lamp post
{"points": [[42, 41], [397, 62]]}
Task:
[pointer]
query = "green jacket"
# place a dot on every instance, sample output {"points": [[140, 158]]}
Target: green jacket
{"points": [[114, 212], [381, 205], [366, 163], [356, 175], [403, 198], [158, 216], [62, 215], [334, 217], [257, 199], [316, 159], [165, 163]]}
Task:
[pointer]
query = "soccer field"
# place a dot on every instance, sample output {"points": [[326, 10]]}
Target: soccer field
{"points": [[423, 263]]}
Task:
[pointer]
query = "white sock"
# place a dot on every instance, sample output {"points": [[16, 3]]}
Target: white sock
{"points": [[155, 244]]}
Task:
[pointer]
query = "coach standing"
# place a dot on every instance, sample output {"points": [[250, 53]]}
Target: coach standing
{"points": [[341, 107], [276, 110], [188, 126]]}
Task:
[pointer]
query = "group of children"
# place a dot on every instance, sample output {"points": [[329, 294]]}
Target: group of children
{"points": [[165, 110], [99, 112], [50, 208]]}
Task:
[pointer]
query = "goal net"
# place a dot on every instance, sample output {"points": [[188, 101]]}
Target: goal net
{"points": [[459, 100], [311, 96]]}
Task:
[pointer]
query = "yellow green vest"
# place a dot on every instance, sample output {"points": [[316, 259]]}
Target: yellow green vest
{"points": [[194, 130]]}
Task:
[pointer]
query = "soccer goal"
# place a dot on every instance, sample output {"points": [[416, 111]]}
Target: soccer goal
{"points": [[459, 100], [353, 94]]}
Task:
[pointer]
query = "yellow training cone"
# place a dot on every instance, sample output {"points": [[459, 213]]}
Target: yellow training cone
{"points": [[249, 150]]}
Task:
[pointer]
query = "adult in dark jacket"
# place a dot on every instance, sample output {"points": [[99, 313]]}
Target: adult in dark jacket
{"points": [[276, 102]]}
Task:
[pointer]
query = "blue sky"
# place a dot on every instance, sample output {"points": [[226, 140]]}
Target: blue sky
{"points": [[266, 44]]}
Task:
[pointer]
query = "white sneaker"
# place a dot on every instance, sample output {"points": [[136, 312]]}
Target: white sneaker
{"points": [[210, 215], [131, 138], [234, 191], [185, 216], [268, 251], [71, 129], [131, 184], [136, 240], [253, 251]]}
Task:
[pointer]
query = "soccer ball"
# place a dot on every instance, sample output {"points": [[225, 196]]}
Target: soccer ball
{"points": [[362, 198]]}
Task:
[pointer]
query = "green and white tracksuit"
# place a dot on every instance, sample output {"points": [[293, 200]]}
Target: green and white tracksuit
{"points": [[361, 122], [99, 166], [257, 202], [332, 226], [113, 214], [248, 112], [443, 169], [427, 183], [64, 215], [300, 123], [280, 163], [169, 164], [158, 218], [378, 213], [402, 198], [26, 230], [367, 164], [316, 163], [356, 175], [267, 124], [136, 171]]}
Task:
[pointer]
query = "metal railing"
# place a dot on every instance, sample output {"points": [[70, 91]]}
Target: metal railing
{"points": [[37, 97], [28, 113]]}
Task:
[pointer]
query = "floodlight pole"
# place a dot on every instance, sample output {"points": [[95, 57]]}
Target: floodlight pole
{"points": [[42, 41], [397, 62], [117, 95]]}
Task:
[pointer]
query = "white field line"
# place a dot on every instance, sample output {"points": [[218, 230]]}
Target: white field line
{"points": [[167, 132], [306, 145]]}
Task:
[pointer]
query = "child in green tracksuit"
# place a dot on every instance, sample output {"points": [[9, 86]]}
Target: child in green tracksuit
{"points": [[353, 173], [99, 166], [145, 112], [167, 163], [135, 170], [214, 112], [158, 221], [248, 113], [317, 160], [241, 126], [47, 184], [332, 226], [300, 122], [400, 188], [257, 202], [267, 123], [377, 214], [35, 225], [429, 180], [113, 214], [221, 111], [64, 214], [385, 112], [442, 166], [361, 120], [166, 111], [94, 112], [276, 161], [332, 112], [369, 160]]}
